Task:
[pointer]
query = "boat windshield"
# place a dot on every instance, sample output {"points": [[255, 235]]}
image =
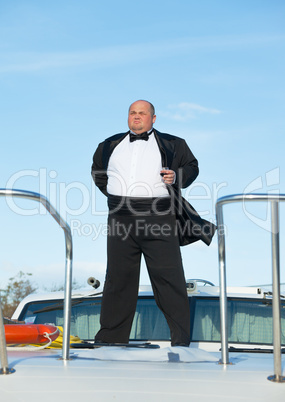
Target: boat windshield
{"points": [[148, 324], [250, 320]]}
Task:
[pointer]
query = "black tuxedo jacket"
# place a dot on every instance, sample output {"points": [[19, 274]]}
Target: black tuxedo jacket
{"points": [[175, 154]]}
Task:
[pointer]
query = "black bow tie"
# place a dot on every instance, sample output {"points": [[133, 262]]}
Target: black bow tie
{"points": [[143, 136]]}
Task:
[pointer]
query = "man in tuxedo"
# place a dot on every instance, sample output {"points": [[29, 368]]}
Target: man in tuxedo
{"points": [[142, 172]]}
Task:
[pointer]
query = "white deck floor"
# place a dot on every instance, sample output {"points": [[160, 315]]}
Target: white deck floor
{"points": [[43, 376]]}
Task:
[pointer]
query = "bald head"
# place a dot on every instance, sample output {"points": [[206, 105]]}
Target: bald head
{"points": [[152, 110], [141, 116]]}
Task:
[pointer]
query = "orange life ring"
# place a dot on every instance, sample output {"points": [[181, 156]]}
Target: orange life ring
{"points": [[30, 333]]}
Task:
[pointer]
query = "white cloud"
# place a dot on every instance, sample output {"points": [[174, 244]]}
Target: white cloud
{"points": [[185, 111]]}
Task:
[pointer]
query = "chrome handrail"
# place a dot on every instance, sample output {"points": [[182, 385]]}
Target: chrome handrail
{"points": [[68, 271], [274, 199]]}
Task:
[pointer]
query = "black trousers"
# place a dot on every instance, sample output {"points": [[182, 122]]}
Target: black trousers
{"points": [[130, 237]]}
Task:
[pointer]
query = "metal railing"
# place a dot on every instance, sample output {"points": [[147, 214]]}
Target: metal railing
{"points": [[274, 199], [68, 275]]}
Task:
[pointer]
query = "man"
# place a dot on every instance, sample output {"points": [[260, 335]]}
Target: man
{"points": [[142, 172]]}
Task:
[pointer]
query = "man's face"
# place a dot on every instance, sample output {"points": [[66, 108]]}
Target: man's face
{"points": [[140, 117]]}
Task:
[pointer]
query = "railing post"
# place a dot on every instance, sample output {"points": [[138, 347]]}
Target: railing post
{"points": [[276, 308], [67, 297], [68, 276], [223, 286], [3, 347]]}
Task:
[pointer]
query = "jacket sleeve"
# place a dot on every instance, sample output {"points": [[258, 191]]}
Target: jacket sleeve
{"points": [[98, 171], [187, 168]]}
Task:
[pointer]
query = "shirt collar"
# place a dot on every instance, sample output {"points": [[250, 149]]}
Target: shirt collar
{"points": [[149, 131]]}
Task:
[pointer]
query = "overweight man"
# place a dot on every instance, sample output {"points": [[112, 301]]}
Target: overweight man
{"points": [[141, 172]]}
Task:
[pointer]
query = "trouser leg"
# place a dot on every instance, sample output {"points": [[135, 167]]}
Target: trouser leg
{"points": [[121, 284], [164, 263]]}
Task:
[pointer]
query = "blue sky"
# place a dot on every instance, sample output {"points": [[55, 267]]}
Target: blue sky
{"points": [[68, 72]]}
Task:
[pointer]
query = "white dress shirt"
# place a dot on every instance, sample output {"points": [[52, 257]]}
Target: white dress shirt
{"points": [[134, 169]]}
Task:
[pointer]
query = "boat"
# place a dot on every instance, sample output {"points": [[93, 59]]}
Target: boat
{"points": [[237, 340]]}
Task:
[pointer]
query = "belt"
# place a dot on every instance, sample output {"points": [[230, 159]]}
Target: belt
{"points": [[134, 206]]}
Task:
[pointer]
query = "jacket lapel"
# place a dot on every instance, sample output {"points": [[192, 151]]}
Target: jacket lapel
{"points": [[166, 148]]}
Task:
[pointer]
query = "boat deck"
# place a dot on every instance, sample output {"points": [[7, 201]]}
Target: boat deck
{"points": [[128, 374]]}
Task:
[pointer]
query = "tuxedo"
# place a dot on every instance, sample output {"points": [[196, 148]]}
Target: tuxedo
{"points": [[176, 155], [161, 252]]}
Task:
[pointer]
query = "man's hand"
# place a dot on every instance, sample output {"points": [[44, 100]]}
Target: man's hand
{"points": [[168, 176]]}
